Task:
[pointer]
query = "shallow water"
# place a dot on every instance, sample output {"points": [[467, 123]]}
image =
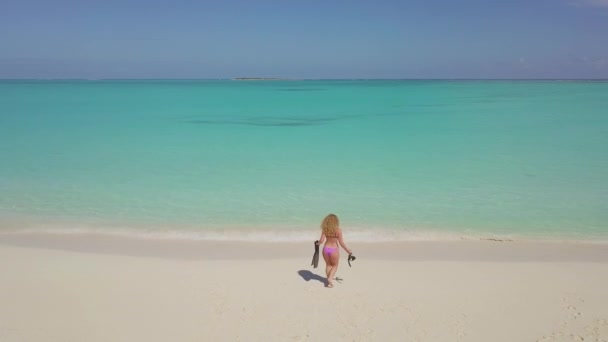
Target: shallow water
{"points": [[391, 158]]}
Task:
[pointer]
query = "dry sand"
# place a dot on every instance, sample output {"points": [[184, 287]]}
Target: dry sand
{"points": [[91, 288]]}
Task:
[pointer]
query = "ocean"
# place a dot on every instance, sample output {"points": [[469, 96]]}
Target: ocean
{"points": [[267, 160]]}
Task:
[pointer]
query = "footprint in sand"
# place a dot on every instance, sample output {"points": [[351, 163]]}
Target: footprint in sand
{"points": [[218, 301], [598, 330], [301, 337], [552, 337], [570, 300], [406, 318], [577, 338], [559, 336], [459, 325]]}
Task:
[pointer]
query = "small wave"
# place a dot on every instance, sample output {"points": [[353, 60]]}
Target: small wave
{"points": [[252, 233], [244, 235], [284, 236]]}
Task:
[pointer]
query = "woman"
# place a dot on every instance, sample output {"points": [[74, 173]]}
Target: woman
{"points": [[331, 234]]}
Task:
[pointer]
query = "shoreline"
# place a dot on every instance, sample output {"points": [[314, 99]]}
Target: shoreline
{"points": [[271, 233], [488, 250]]}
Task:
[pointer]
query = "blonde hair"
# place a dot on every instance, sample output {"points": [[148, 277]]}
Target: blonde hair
{"points": [[330, 225]]}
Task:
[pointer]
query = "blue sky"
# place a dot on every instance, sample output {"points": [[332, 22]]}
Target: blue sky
{"points": [[304, 39]]}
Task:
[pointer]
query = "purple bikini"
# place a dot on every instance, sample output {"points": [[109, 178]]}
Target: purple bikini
{"points": [[330, 250]]}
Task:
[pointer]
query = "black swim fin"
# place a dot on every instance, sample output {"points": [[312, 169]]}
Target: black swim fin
{"points": [[315, 257], [351, 257]]}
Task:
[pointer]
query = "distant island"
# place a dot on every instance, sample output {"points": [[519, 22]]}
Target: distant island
{"points": [[257, 79]]}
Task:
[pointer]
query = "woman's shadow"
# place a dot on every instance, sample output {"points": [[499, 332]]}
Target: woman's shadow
{"points": [[308, 276]]}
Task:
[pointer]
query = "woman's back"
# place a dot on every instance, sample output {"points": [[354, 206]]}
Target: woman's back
{"points": [[332, 240]]}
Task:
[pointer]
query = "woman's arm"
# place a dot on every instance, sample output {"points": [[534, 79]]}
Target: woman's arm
{"points": [[322, 238], [341, 241]]}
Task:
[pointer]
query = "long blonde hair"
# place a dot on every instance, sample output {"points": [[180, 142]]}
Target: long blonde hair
{"points": [[330, 225]]}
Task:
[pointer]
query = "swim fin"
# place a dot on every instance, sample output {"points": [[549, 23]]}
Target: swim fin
{"points": [[315, 257], [351, 257]]}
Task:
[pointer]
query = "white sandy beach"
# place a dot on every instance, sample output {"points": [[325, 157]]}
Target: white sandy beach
{"points": [[58, 288]]}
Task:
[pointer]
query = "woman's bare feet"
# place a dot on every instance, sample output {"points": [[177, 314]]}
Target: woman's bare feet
{"points": [[330, 284]]}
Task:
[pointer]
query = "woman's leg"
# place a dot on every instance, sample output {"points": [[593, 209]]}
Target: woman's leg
{"points": [[328, 266], [334, 260]]}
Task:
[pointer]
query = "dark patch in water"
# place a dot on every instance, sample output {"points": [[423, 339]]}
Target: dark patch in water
{"points": [[300, 89], [270, 121], [267, 121], [388, 114], [428, 105], [212, 122]]}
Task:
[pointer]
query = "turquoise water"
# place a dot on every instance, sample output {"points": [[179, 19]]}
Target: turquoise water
{"points": [[393, 159]]}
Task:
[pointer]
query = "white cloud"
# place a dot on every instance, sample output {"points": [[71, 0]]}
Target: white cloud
{"points": [[523, 63]]}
